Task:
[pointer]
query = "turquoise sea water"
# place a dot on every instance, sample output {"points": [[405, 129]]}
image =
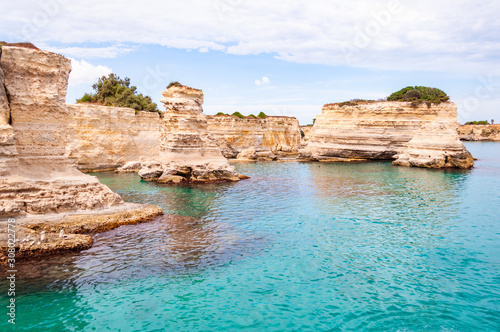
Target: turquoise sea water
{"points": [[298, 247]]}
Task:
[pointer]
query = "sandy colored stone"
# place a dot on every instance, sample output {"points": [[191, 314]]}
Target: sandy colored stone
{"points": [[248, 154], [129, 167], [479, 132], [30, 244], [186, 147], [234, 134], [95, 221], [436, 145], [8, 151], [105, 138], [40, 236], [42, 180], [375, 130]]}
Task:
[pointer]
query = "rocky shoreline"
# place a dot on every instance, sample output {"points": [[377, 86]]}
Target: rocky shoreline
{"points": [[39, 188], [44, 143], [56, 233], [489, 132]]}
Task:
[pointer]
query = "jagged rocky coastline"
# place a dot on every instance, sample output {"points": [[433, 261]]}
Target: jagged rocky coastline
{"points": [[422, 136], [45, 144], [37, 181]]}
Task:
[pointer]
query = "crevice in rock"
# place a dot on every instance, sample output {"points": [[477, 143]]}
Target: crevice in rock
{"points": [[8, 104]]}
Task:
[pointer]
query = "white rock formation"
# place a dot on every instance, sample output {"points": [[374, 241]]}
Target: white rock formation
{"points": [[436, 145], [105, 138], [489, 132], [188, 153], [273, 133], [35, 175], [356, 131]]}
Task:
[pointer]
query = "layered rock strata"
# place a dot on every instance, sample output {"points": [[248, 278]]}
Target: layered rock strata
{"points": [[479, 132], [379, 130], [105, 138], [435, 145], [42, 180], [273, 133], [37, 181], [57, 233], [188, 153]]}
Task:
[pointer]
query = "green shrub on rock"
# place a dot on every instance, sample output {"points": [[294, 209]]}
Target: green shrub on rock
{"points": [[483, 122], [419, 94], [114, 91], [238, 114]]}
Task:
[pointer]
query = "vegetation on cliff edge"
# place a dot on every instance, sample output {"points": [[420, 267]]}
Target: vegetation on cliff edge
{"points": [[114, 91], [483, 122], [419, 94], [261, 115]]}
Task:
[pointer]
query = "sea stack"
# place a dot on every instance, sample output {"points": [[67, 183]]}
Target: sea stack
{"points": [[188, 153], [369, 130]]}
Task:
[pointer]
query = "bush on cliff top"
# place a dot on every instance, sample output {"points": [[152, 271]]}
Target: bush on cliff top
{"points": [[114, 91], [419, 94], [175, 83], [239, 115], [483, 122], [262, 115]]}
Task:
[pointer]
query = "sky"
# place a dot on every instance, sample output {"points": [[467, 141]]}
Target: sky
{"points": [[286, 57]]}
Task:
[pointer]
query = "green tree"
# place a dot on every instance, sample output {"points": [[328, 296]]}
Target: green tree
{"points": [[114, 91], [262, 115]]}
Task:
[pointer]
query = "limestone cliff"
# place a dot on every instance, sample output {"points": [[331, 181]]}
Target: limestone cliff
{"points": [[188, 153], [435, 145], [105, 138], [42, 180], [273, 133], [479, 132], [8, 151], [377, 130]]}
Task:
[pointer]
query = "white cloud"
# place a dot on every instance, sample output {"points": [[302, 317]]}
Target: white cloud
{"points": [[263, 81], [425, 35], [83, 72], [88, 52]]}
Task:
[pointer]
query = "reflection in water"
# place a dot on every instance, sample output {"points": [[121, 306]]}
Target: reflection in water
{"points": [[298, 246]]}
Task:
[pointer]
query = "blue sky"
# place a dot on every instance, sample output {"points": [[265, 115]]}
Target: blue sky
{"points": [[279, 57]]}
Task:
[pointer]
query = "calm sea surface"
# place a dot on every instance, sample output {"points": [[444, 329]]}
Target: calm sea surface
{"points": [[298, 247]]}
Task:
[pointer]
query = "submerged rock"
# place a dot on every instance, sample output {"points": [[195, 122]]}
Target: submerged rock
{"points": [[56, 233]]}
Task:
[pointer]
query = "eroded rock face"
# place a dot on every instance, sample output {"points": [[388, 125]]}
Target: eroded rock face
{"points": [[188, 153], [105, 138], [436, 145], [42, 180], [274, 133], [479, 132], [8, 151], [379, 130]]}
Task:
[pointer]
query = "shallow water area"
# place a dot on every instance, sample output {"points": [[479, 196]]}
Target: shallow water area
{"points": [[299, 246]]}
